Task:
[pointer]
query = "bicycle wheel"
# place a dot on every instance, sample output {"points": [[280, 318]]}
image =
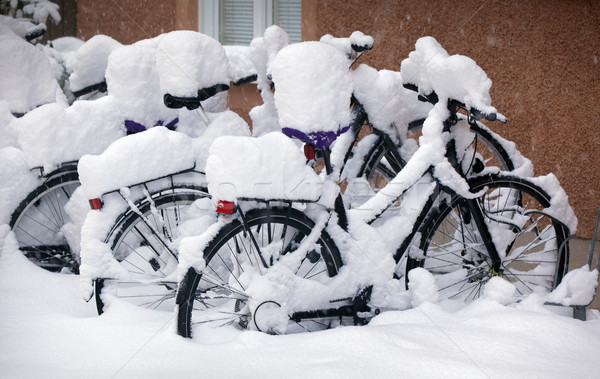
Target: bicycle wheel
{"points": [[484, 143], [527, 240], [142, 241], [38, 220], [382, 165], [218, 296]]}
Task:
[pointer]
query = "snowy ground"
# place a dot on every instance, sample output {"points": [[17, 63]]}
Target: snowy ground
{"points": [[47, 330]]}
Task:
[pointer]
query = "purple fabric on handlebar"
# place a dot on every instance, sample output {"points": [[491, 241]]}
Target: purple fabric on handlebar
{"points": [[136, 127], [320, 140]]}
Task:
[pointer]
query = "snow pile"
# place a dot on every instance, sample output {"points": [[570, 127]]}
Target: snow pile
{"points": [[6, 117], [18, 27], [262, 52], [155, 153], [91, 59], [458, 77], [65, 49], [313, 86], [158, 148], [88, 126], [27, 77], [389, 105], [431, 340], [17, 181], [189, 61], [240, 63], [578, 287], [133, 83], [268, 167], [357, 38]]}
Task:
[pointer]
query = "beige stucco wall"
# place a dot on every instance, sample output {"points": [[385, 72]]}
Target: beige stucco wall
{"points": [[542, 57]]}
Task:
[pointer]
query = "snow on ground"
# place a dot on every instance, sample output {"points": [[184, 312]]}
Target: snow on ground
{"points": [[47, 330]]}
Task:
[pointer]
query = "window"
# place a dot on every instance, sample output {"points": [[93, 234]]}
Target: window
{"points": [[236, 22]]}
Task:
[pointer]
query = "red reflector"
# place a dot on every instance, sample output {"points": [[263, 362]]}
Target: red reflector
{"points": [[309, 152], [226, 207], [95, 203]]}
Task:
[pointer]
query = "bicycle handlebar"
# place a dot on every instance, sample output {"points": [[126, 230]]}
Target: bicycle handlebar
{"points": [[433, 98], [193, 102]]}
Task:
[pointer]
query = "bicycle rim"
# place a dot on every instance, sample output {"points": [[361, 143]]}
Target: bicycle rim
{"points": [[37, 224], [525, 236], [217, 296], [490, 150], [143, 242]]}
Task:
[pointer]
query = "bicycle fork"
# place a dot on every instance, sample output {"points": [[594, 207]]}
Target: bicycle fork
{"points": [[476, 215]]}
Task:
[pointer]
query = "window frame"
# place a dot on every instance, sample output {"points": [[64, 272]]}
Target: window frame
{"points": [[209, 17]]}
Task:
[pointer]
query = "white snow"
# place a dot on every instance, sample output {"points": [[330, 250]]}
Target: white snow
{"points": [[91, 59], [313, 86], [262, 52], [26, 75], [47, 330], [89, 126], [389, 105], [268, 167], [452, 77], [345, 44], [240, 63], [188, 61]]}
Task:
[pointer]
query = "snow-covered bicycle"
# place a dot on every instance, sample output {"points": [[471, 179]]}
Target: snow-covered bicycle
{"points": [[143, 230], [287, 254]]}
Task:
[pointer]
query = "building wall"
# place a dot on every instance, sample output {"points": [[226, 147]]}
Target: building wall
{"points": [[542, 57], [132, 20]]}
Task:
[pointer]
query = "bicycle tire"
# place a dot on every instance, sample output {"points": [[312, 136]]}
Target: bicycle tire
{"points": [[381, 166], [492, 151], [193, 303], [149, 257], [451, 248], [38, 219]]}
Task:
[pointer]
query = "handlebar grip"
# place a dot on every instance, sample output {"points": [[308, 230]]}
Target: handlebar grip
{"points": [[36, 32], [361, 48]]}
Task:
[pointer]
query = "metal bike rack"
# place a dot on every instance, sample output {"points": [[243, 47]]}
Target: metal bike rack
{"points": [[579, 310]]}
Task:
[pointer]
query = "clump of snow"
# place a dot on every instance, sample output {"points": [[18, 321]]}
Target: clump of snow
{"points": [[133, 82], [27, 76], [91, 59], [188, 61], [389, 105], [6, 118], [240, 64], [422, 287], [499, 290], [40, 10], [458, 77], [89, 126], [262, 52], [162, 150], [345, 44], [18, 27], [578, 287], [17, 181], [313, 86], [268, 167]]}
